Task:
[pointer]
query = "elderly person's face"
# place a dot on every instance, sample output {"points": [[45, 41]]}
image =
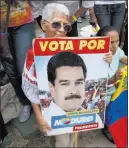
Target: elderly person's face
{"points": [[58, 26]]}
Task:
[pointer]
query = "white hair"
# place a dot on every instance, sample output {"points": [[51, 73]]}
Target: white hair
{"points": [[52, 8]]}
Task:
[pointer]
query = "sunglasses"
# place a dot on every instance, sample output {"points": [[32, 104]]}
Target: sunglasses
{"points": [[58, 25]]}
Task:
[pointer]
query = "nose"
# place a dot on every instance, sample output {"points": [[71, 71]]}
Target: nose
{"points": [[61, 29], [115, 45], [73, 90]]}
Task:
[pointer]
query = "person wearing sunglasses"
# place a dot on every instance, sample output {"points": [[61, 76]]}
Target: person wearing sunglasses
{"points": [[55, 23], [73, 6], [56, 28]]}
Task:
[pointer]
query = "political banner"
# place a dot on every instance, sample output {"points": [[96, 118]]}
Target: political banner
{"points": [[72, 78]]}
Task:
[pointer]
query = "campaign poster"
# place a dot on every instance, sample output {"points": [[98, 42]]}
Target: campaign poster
{"points": [[72, 79]]}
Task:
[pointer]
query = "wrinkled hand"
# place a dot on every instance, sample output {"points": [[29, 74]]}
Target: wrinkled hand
{"points": [[108, 57], [44, 127], [119, 73]]}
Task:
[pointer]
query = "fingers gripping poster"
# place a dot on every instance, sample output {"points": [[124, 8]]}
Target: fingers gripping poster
{"points": [[72, 77]]}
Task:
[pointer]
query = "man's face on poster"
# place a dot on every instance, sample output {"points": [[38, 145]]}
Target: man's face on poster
{"points": [[69, 88]]}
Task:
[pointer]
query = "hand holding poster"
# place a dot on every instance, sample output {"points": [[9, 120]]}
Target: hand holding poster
{"points": [[72, 78]]}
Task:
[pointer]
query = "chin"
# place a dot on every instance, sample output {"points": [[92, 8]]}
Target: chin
{"points": [[114, 51], [72, 109], [60, 35]]}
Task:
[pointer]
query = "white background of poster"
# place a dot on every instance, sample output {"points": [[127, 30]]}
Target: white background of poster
{"points": [[96, 68]]}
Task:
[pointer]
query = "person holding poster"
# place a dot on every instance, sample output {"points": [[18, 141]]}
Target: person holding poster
{"points": [[55, 23]]}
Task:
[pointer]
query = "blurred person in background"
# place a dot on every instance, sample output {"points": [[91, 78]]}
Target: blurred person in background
{"points": [[124, 32], [110, 13], [21, 32]]}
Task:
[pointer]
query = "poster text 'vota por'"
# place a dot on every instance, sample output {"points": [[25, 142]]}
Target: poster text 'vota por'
{"points": [[80, 46]]}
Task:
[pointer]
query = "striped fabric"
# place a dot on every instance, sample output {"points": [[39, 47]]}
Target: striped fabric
{"points": [[19, 15], [29, 80], [117, 113]]}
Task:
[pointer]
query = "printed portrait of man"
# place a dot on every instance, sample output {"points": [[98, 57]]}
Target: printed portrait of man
{"points": [[66, 75]]}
